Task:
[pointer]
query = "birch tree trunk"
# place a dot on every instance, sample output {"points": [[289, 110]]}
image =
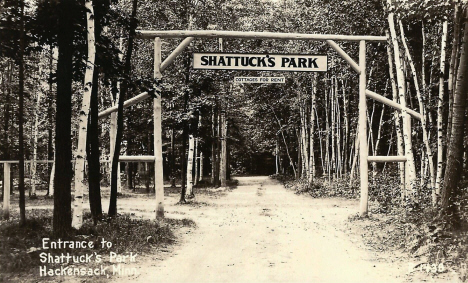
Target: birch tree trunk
{"points": [[113, 127], [327, 137], [198, 156], [213, 145], [300, 164], [200, 176], [312, 131], [338, 132], [346, 133], [195, 160], [80, 155], [355, 157], [422, 110], [189, 192], [377, 142], [51, 180], [303, 134], [22, 201], [410, 170], [285, 143], [440, 132], [332, 129], [113, 134], [223, 152], [396, 117], [319, 130], [276, 156]]}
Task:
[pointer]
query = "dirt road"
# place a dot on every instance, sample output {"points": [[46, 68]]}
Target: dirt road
{"points": [[260, 232]]}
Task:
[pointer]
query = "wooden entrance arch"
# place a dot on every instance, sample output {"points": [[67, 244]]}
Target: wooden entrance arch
{"points": [[189, 36]]}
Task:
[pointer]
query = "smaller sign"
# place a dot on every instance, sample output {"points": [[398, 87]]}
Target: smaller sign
{"points": [[260, 80]]}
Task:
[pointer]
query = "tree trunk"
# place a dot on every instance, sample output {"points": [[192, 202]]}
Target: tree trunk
{"points": [[50, 191], [185, 133], [213, 145], [338, 132], [50, 147], [333, 127], [7, 115], [410, 170], [172, 166], [440, 132], [377, 142], [454, 62], [123, 92], [32, 192], [63, 154], [312, 131], [285, 143], [200, 176], [223, 159], [22, 203], [322, 159], [184, 155], [327, 137], [352, 173], [80, 155], [218, 149], [422, 110], [196, 161], [452, 178], [189, 193], [93, 151], [346, 133], [396, 117]]}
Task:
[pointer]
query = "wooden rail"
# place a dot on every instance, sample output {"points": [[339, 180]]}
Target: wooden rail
{"points": [[122, 158], [386, 158]]}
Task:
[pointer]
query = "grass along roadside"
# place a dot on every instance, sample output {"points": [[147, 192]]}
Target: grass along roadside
{"points": [[23, 253]]}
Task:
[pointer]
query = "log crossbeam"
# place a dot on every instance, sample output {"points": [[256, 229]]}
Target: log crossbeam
{"points": [[386, 158], [138, 158], [149, 34], [145, 95], [392, 103], [26, 161], [345, 56]]}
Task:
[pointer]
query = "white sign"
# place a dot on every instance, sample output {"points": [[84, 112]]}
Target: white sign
{"points": [[260, 80], [260, 62]]}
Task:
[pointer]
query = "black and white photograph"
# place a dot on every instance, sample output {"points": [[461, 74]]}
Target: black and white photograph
{"points": [[234, 141]]}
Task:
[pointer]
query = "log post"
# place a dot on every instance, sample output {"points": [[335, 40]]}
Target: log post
{"points": [[363, 152], [158, 158]]}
